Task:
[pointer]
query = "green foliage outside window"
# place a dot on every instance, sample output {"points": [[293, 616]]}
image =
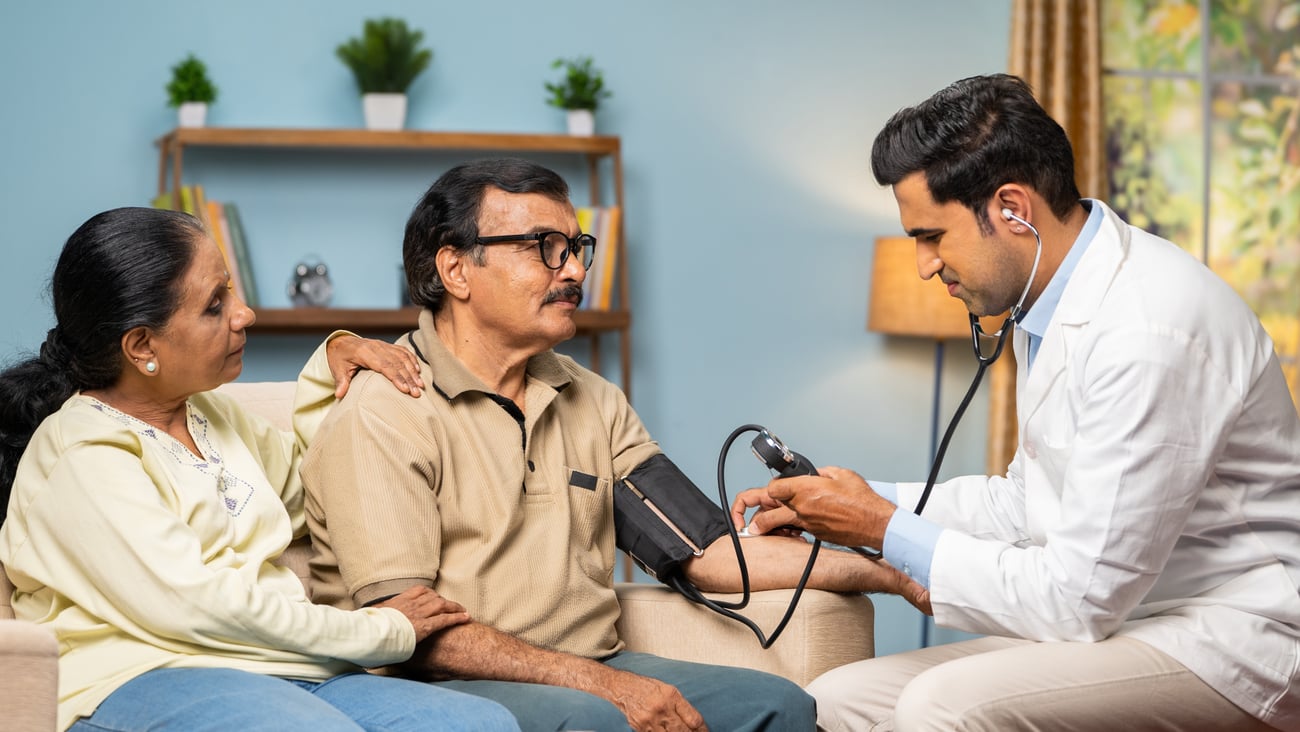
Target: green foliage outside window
{"points": [[1157, 92]]}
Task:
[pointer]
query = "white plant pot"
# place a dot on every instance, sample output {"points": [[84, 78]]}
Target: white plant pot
{"points": [[192, 114], [582, 122], [384, 111]]}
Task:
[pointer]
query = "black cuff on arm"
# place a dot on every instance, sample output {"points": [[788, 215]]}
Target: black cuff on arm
{"points": [[662, 519]]}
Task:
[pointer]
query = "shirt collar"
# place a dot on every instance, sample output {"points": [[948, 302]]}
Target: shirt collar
{"points": [[450, 376], [1040, 315]]}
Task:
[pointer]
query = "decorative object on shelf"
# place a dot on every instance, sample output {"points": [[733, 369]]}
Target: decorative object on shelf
{"points": [[310, 285], [191, 91], [385, 60], [578, 93]]}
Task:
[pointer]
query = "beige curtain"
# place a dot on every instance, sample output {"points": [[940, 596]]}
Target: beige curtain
{"points": [[1056, 47]]}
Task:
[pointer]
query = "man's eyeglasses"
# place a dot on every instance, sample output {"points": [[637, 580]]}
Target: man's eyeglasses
{"points": [[555, 246]]}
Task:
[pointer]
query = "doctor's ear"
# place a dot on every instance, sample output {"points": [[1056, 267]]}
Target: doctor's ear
{"points": [[1011, 216]]}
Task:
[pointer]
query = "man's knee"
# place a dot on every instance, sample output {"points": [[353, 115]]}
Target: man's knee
{"points": [[847, 699], [592, 712], [946, 698], [543, 708], [770, 702]]}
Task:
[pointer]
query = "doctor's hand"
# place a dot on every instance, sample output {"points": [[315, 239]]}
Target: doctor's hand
{"points": [[836, 506], [779, 521]]}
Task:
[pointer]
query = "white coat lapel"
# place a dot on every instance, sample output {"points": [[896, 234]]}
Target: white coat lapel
{"points": [[1080, 300]]}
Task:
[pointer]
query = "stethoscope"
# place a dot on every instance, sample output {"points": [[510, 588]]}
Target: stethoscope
{"points": [[978, 336], [796, 464]]}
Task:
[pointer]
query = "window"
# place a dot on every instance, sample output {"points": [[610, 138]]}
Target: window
{"points": [[1202, 101]]}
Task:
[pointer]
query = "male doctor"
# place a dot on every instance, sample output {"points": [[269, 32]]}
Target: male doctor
{"points": [[1137, 566]]}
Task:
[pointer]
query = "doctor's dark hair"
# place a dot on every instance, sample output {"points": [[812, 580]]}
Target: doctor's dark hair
{"points": [[447, 216], [119, 270], [974, 136]]}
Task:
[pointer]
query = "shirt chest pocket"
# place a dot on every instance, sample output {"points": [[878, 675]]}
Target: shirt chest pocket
{"points": [[591, 518]]}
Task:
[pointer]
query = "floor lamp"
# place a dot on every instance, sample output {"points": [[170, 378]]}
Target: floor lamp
{"points": [[903, 304]]}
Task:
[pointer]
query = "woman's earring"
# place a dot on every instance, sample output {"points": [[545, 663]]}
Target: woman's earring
{"points": [[150, 367]]}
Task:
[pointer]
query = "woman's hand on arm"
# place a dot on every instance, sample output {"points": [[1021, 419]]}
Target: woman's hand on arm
{"points": [[349, 354], [428, 611]]}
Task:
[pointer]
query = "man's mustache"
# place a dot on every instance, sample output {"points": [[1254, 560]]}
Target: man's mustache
{"points": [[568, 292]]}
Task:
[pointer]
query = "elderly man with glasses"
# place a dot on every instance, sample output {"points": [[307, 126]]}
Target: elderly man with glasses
{"points": [[496, 487]]}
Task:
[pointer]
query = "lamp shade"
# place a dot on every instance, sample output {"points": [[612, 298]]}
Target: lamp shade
{"points": [[904, 304]]}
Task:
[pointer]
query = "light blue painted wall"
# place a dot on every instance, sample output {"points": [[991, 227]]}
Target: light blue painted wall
{"points": [[750, 209]]}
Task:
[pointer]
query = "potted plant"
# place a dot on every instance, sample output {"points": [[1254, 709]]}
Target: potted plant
{"points": [[191, 91], [579, 93], [385, 60]]}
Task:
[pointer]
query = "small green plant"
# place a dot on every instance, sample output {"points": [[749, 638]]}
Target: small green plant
{"points": [[190, 83], [387, 57], [581, 88]]}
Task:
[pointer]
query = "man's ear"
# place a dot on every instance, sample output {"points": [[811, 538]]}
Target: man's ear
{"points": [[451, 270], [137, 347], [1015, 198]]}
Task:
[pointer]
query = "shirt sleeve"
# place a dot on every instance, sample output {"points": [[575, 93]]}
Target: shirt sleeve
{"points": [[103, 518], [630, 442], [375, 473]]}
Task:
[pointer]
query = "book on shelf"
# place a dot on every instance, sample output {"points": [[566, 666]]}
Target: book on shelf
{"points": [[604, 223], [220, 232], [224, 225], [239, 249]]}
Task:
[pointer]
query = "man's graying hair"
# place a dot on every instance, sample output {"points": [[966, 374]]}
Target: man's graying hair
{"points": [[447, 216], [974, 136]]}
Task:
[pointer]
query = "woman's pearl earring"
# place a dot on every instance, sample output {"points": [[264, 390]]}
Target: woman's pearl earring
{"points": [[151, 367]]}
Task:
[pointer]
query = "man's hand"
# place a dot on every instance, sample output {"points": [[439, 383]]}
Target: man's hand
{"points": [[428, 611], [836, 506], [349, 354], [909, 590], [650, 704]]}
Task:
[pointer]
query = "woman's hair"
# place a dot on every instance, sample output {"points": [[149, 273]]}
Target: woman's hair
{"points": [[447, 216], [120, 270], [972, 137]]}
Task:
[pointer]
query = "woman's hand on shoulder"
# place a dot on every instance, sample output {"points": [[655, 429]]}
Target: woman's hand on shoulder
{"points": [[349, 354]]}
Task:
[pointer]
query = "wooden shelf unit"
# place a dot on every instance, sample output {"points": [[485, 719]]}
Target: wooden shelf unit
{"points": [[282, 321]]}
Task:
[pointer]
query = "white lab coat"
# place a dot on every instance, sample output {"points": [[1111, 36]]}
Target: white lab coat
{"points": [[1155, 492]]}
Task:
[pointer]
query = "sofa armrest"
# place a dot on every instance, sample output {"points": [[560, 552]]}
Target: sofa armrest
{"points": [[828, 630], [29, 676]]}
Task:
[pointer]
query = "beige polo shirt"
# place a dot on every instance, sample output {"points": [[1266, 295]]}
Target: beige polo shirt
{"points": [[509, 514]]}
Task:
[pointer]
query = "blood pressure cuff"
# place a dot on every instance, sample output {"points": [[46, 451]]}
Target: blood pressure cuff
{"points": [[661, 518]]}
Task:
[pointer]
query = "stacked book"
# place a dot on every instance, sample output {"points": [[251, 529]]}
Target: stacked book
{"points": [[604, 223], [224, 225]]}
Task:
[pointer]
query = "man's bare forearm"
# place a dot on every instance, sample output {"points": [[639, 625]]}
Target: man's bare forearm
{"points": [[478, 651], [777, 562]]}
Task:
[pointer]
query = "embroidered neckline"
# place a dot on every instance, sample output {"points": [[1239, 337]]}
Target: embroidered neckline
{"points": [[235, 491]]}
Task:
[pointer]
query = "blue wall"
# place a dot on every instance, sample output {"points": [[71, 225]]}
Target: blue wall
{"points": [[746, 127]]}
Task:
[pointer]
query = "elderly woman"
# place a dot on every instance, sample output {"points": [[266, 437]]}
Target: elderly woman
{"points": [[146, 512]]}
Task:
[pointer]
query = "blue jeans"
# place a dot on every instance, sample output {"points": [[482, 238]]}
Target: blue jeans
{"points": [[730, 699], [201, 699]]}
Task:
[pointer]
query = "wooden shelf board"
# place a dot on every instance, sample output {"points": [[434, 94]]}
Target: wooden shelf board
{"points": [[374, 139], [394, 320]]}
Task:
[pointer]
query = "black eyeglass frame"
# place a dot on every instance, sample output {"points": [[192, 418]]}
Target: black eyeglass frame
{"points": [[574, 245]]}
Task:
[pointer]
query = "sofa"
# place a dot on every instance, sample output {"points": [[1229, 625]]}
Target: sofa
{"points": [[828, 629]]}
